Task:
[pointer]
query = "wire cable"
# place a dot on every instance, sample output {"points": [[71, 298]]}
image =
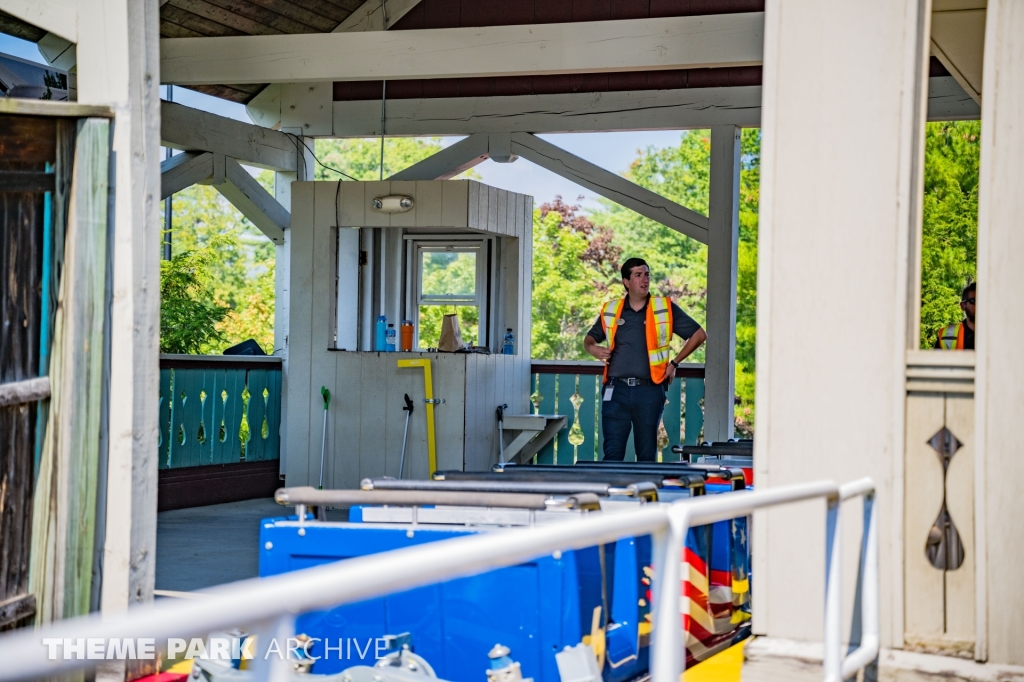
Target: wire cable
{"points": [[297, 141]]}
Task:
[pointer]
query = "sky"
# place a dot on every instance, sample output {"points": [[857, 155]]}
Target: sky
{"points": [[611, 151]]}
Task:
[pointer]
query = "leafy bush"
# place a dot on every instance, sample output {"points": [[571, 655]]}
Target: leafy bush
{"points": [[188, 315]]}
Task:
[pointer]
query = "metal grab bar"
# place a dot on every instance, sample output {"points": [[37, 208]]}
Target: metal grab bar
{"points": [[269, 605]]}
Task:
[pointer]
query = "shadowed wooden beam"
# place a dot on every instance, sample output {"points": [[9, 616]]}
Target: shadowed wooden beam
{"points": [[184, 170], [189, 129]]}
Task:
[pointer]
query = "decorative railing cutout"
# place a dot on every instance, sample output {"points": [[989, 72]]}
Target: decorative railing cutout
{"points": [[943, 547], [215, 412], [576, 392]]}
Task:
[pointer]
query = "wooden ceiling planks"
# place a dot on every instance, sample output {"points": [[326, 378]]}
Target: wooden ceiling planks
{"points": [[467, 13], [211, 18], [217, 15]]}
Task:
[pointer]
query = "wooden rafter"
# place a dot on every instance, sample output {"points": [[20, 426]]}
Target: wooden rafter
{"points": [[475, 148]]}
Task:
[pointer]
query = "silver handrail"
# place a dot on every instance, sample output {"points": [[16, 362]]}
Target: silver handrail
{"points": [[269, 605]]}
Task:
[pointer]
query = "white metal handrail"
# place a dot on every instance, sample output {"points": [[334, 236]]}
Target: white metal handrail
{"points": [[667, 656], [269, 605]]}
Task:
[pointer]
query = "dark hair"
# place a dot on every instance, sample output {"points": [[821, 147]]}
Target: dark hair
{"points": [[969, 289], [627, 267]]}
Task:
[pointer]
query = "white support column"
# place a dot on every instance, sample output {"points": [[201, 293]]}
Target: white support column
{"points": [[837, 218], [282, 273], [999, 391], [723, 252], [118, 66]]}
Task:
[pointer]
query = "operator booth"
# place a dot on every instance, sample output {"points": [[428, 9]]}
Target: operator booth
{"points": [[368, 254]]}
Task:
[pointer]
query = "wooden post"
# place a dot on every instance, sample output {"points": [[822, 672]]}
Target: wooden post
{"points": [[282, 272], [723, 252], [1000, 365], [118, 66], [837, 219]]}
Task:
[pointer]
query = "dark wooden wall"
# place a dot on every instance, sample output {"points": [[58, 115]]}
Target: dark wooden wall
{"points": [[27, 144]]}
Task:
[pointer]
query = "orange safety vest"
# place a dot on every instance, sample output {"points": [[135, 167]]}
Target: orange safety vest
{"points": [[952, 337], [659, 332]]}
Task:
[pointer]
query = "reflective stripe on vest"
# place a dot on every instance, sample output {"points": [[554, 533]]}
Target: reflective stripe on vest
{"points": [[659, 334], [610, 320], [952, 337], [658, 331]]}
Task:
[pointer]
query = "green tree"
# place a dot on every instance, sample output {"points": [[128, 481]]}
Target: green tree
{"points": [[239, 269], [448, 273], [188, 318], [949, 242], [574, 265]]}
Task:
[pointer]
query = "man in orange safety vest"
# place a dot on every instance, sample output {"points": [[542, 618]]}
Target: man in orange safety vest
{"points": [[638, 361], [960, 336]]}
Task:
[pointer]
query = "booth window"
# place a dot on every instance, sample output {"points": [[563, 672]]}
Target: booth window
{"points": [[450, 278]]}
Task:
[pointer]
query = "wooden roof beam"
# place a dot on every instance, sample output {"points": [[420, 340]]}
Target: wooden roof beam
{"points": [[231, 180], [55, 16], [184, 170], [611, 186], [448, 162], [690, 108], [254, 202], [586, 47], [505, 147], [189, 129]]}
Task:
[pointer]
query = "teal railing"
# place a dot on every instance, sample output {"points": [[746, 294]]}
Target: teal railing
{"points": [[219, 410], [573, 389]]}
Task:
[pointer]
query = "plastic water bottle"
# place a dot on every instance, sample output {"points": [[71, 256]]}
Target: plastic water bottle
{"points": [[389, 338], [508, 345], [380, 337]]}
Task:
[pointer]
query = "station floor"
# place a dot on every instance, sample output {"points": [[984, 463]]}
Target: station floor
{"points": [[207, 546], [774, 660]]}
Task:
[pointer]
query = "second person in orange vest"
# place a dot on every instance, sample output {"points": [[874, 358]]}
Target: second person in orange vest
{"points": [[638, 361]]}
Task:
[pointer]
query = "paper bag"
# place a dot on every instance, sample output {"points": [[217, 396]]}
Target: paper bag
{"points": [[451, 335]]}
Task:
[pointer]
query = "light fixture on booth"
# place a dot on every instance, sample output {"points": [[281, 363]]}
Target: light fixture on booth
{"points": [[393, 203]]}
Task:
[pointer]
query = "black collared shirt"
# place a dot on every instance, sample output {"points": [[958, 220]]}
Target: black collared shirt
{"points": [[629, 357]]}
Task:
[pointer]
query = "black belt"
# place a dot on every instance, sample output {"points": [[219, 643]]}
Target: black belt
{"points": [[633, 381]]}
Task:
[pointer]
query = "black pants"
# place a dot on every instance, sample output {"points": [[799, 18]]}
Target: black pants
{"points": [[632, 407]]}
